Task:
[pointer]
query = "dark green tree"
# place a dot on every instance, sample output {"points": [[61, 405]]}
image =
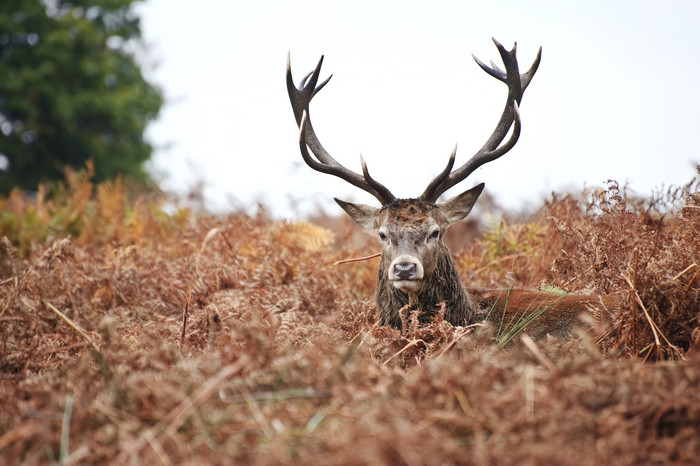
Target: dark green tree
{"points": [[71, 90]]}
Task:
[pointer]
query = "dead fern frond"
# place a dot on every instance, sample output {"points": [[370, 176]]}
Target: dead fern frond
{"points": [[304, 235]]}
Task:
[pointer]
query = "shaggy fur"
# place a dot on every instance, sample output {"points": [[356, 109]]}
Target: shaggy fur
{"points": [[442, 286]]}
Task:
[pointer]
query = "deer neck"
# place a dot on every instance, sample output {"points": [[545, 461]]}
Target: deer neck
{"points": [[443, 286]]}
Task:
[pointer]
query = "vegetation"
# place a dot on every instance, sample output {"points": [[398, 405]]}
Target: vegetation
{"points": [[130, 335], [71, 90]]}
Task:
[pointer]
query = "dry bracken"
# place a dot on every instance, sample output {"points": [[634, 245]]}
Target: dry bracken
{"points": [[281, 359]]}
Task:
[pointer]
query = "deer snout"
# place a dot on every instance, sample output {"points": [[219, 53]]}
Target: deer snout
{"points": [[405, 272]]}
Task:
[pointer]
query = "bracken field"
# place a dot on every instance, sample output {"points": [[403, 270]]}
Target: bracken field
{"points": [[135, 332]]}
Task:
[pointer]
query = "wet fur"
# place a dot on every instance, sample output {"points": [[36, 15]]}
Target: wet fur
{"points": [[442, 286]]}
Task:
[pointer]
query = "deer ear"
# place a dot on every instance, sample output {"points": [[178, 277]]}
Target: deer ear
{"points": [[458, 207], [364, 215]]}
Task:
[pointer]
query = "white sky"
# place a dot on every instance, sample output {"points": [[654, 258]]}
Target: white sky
{"points": [[616, 95]]}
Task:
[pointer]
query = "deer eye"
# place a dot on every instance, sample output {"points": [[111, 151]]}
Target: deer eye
{"points": [[434, 235], [382, 236]]}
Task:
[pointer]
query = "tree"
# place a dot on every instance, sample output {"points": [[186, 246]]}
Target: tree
{"points": [[71, 91]]}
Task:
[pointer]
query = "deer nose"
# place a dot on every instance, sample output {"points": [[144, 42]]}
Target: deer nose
{"points": [[405, 270]]}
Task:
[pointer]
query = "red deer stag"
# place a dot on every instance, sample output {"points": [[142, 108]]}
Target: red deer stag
{"points": [[416, 269]]}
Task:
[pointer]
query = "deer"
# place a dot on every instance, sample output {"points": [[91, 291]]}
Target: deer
{"points": [[417, 271]]}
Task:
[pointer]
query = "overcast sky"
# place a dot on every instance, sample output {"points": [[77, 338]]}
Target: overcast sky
{"points": [[616, 95]]}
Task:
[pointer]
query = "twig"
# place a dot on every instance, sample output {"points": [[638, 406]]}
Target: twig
{"points": [[654, 328], [413, 342], [686, 270], [652, 325], [529, 389], [62, 349], [647, 348], [690, 283], [573, 279], [458, 335], [228, 244], [210, 234], [157, 448], [30, 428], [475, 414], [634, 306], [65, 430], [532, 346], [314, 422], [8, 280], [185, 312], [291, 394], [70, 322], [357, 259]]}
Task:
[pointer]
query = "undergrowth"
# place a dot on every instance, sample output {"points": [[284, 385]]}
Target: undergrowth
{"points": [[133, 335], [88, 213]]}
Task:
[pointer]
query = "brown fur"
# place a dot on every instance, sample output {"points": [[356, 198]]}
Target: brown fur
{"points": [[410, 211], [557, 314]]}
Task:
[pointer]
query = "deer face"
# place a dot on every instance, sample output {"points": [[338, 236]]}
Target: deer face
{"points": [[411, 233]]}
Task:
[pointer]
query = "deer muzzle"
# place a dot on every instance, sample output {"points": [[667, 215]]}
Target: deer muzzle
{"points": [[406, 272]]}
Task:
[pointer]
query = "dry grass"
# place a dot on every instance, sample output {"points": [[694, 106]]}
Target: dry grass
{"points": [[132, 336]]}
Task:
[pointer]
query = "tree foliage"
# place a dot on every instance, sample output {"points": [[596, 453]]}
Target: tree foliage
{"points": [[71, 91]]}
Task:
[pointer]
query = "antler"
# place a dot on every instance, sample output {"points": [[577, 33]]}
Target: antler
{"points": [[517, 83], [323, 162]]}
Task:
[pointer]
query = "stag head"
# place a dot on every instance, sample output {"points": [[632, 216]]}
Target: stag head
{"points": [[411, 233], [416, 266]]}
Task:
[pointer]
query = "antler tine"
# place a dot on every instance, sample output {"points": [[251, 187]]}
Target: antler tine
{"points": [[322, 161], [443, 174], [527, 77], [492, 149], [300, 97], [386, 196]]}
